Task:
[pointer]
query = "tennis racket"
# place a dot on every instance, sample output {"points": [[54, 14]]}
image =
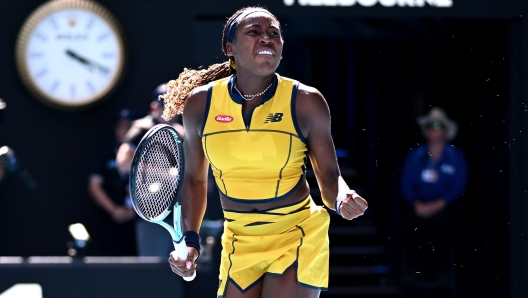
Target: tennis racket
{"points": [[156, 178]]}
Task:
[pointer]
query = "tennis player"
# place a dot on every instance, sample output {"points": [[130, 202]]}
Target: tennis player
{"points": [[256, 130]]}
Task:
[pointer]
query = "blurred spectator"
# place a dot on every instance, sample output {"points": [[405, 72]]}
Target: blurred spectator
{"points": [[108, 187], [152, 239], [433, 179]]}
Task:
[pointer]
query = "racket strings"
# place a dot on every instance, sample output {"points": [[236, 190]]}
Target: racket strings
{"points": [[158, 180]]}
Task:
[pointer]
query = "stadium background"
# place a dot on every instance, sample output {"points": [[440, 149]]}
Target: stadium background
{"points": [[379, 67]]}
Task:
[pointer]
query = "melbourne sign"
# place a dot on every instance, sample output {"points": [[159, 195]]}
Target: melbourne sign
{"points": [[387, 3]]}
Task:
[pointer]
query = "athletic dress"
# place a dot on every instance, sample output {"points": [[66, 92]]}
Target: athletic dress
{"points": [[261, 159]]}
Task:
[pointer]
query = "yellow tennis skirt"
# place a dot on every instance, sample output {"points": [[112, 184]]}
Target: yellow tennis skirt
{"points": [[271, 241]]}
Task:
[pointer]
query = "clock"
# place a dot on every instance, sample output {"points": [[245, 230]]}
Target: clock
{"points": [[70, 54]]}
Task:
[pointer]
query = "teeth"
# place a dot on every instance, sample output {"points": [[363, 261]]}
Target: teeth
{"points": [[265, 53]]}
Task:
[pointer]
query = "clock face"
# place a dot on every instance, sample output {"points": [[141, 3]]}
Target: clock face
{"points": [[70, 53]]}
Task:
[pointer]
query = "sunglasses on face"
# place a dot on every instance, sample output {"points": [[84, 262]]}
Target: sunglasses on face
{"points": [[437, 125]]}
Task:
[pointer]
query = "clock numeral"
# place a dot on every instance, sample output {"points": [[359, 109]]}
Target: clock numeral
{"points": [[108, 55], [54, 24], [54, 86], [36, 55], [72, 91], [103, 37], [41, 73], [90, 86], [90, 23], [72, 20], [41, 37]]}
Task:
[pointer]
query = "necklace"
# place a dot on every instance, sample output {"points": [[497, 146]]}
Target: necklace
{"points": [[250, 97]]}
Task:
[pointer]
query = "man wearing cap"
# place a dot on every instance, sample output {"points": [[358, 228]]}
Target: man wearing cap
{"points": [[434, 177], [141, 126], [152, 240]]}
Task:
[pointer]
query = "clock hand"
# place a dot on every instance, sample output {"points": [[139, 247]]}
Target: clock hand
{"points": [[90, 64]]}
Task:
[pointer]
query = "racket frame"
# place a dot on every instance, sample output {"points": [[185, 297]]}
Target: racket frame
{"points": [[176, 230]]}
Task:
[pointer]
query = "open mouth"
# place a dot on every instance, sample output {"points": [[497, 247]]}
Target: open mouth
{"points": [[266, 52]]}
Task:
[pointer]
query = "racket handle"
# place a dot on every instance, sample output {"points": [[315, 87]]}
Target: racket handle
{"points": [[182, 253], [189, 278]]}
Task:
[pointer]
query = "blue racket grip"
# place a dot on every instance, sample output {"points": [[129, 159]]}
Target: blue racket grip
{"points": [[182, 253]]}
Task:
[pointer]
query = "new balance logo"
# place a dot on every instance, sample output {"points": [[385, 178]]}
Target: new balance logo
{"points": [[277, 117]]}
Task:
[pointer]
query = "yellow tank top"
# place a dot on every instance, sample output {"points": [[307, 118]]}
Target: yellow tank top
{"points": [[260, 158]]}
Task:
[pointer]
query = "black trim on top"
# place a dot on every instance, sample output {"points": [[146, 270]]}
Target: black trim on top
{"points": [[206, 152], [207, 107], [240, 100], [285, 164], [236, 97], [253, 130], [247, 119], [294, 112]]}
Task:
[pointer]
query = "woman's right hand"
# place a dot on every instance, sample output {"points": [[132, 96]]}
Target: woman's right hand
{"points": [[184, 268]]}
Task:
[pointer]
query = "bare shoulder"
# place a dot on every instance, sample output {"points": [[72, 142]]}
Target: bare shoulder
{"points": [[195, 103], [306, 90], [194, 109], [197, 96], [310, 101], [310, 98], [311, 109]]}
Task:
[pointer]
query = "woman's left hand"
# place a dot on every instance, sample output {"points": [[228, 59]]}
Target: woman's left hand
{"points": [[353, 205]]}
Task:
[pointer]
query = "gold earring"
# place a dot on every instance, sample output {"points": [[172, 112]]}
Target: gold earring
{"points": [[232, 64]]}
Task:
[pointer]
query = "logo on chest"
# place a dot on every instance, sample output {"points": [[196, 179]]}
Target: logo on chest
{"points": [[274, 117], [223, 118]]}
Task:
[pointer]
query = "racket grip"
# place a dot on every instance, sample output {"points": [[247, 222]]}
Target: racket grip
{"points": [[182, 253], [189, 278]]}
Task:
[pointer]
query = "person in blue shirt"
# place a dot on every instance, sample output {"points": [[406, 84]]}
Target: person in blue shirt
{"points": [[434, 177]]}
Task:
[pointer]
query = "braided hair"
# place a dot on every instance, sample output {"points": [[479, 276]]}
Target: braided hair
{"points": [[177, 90]]}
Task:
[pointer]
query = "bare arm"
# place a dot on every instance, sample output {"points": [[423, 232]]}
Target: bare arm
{"points": [[194, 192], [194, 195], [314, 119]]}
